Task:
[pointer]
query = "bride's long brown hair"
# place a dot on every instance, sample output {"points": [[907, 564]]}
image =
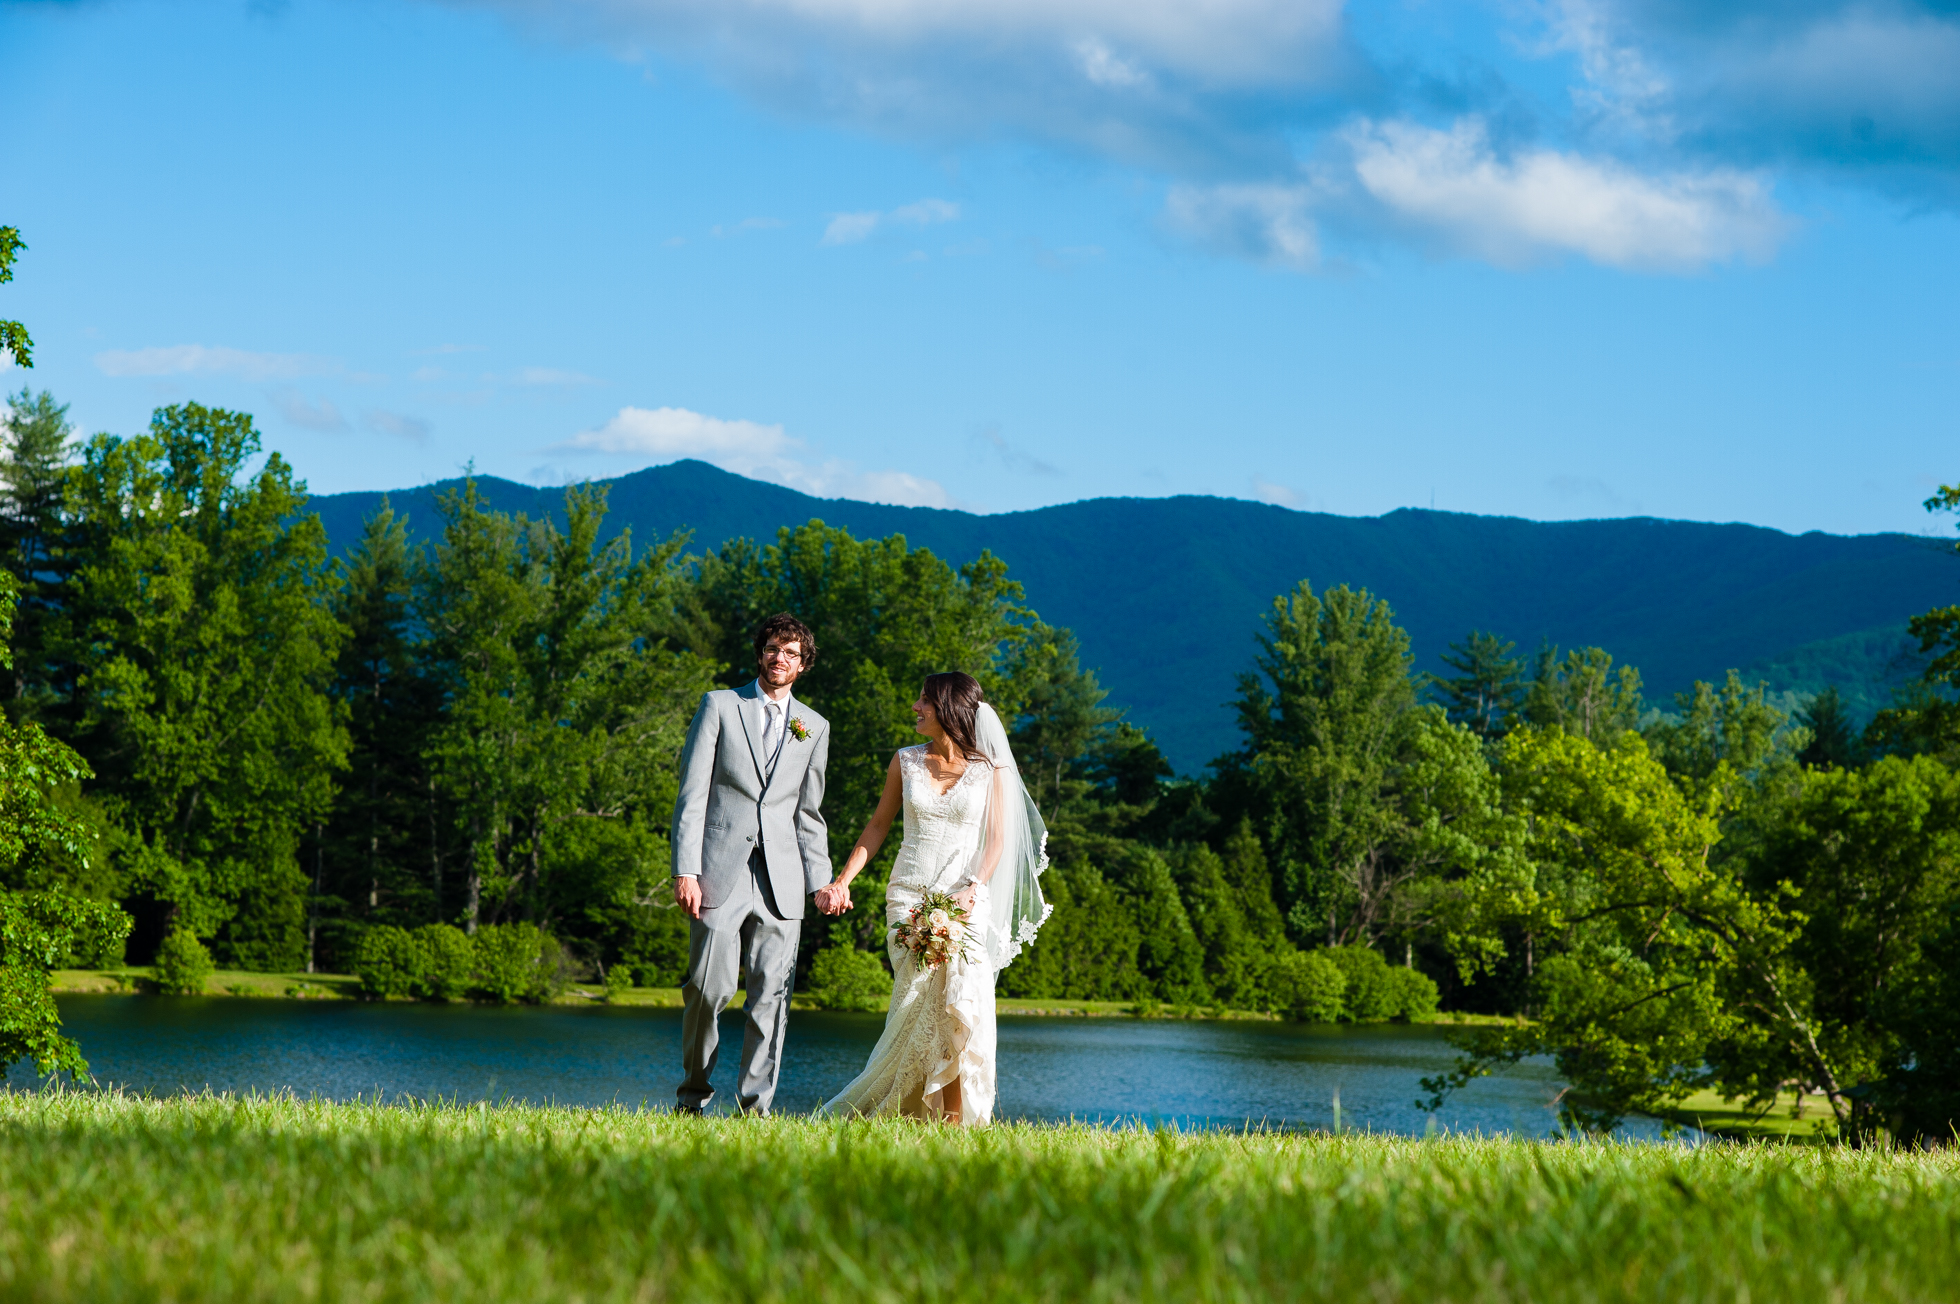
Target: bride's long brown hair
{"points": [[955, 698]]}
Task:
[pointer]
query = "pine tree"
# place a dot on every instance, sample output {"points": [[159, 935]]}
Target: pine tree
{"points": [[34, 467], [1833, 740], [1487, 691]]}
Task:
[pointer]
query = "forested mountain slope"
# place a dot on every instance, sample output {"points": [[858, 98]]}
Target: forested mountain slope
{"points": [[1166, 593]]}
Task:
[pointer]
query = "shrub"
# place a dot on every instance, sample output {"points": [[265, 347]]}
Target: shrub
{"points": [[1307, 986], [514, 962], [1378, 993], [619, 979], [845, 978], [1370, 994], [183, 965], [388, 962], [1416, 993], [445, 959]]}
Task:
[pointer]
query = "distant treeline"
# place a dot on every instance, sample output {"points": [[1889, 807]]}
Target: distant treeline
{"points": [[291, 751]]}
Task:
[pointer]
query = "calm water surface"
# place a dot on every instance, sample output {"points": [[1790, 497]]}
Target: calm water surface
{"points": [[1112, 1070]]}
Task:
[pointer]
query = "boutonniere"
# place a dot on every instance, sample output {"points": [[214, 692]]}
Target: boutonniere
{"points": [[798, 730]]}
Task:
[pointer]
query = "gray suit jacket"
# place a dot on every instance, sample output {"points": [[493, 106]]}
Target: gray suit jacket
{"points": [[729, 804]]}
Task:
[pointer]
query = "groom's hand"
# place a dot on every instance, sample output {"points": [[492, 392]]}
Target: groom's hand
{"points": [[833, 898], [687, 891]]}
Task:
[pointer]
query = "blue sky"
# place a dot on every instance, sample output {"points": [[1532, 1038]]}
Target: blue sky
{"points": [[1560, 259]]}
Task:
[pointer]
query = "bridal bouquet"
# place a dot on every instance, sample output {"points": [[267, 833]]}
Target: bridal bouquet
{"points": [[935, 931]]}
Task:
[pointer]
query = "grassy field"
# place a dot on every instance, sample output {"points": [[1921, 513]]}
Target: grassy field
{"points": [[105, 1198]]}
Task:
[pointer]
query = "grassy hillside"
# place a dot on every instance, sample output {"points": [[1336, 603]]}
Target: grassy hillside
{"points": [[1167, 592], [209, 1199]]}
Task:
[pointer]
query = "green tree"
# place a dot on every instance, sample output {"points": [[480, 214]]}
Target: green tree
{"points": [[1583, 694], [1326, 717], [1834, 740], [1488, 689], [1927, 717], [42, 926], [199, 625], [388, 852], [13, 336], [563, 705], [34, 465], [1869, 862], [1734, 731], [1631, 997]]}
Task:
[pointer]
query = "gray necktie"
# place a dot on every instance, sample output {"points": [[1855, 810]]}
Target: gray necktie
{"points": [[772, 733]]}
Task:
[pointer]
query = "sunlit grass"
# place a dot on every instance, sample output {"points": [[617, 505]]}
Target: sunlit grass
{"points": [[108, 1197]]}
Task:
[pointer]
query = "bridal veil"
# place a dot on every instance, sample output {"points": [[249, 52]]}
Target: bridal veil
{"points": [[1015, 905]]}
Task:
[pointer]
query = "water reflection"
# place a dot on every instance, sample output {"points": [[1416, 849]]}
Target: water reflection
{"points": [[1109, 1070]]}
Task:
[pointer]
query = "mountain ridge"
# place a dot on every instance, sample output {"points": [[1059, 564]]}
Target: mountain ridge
{"points": [[1166, 593]]}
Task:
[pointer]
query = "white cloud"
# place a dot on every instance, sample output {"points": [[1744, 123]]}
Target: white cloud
{"points": [[749, 448], [1276, 494], [550, 376], [196, 359], [1266, 223], [676, 432], [849, 228], [1230, 42], [1103, 68], [321, 415], [1622, 85], [414, 429], [1452, 185], [927, 211]]}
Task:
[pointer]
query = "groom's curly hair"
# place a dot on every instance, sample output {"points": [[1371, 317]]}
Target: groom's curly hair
{"points": [[786, 628]]}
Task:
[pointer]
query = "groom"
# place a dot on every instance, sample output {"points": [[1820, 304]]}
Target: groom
{"points": [[749, 843]]}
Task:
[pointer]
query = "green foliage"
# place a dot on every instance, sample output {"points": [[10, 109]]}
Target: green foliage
{"points": [[46, 925], [14, 339], [1583, 694], [563, 703], [845, 978], [1373, 991], [1307, 986], [183, 963], [447, 959], [1088, 948], [1487, 691], [388, 961], [203, 643], [35, 447], [1735, 731], [513, 963], [1834, 740], [1870, 862], [1326, 718], [618, 981], [436, 962], [38, 930]]}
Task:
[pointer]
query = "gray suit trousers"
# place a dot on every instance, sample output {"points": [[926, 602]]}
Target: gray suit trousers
{"points": [[756, 941]]}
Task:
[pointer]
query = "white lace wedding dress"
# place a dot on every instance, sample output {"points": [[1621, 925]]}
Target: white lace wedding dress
{"points": [[940, 1029]]}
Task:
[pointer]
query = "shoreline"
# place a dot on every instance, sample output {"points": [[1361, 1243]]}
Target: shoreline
{"points": [[243, 985]]}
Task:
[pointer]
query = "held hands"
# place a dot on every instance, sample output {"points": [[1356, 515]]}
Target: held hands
{"points": [[833, 898], [965, 896]]}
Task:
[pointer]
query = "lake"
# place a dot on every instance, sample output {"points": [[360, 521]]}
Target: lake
{"points": [[1194, 1074]]}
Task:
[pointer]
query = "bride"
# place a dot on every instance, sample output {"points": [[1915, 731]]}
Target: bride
{"points": [[971, 831]]}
